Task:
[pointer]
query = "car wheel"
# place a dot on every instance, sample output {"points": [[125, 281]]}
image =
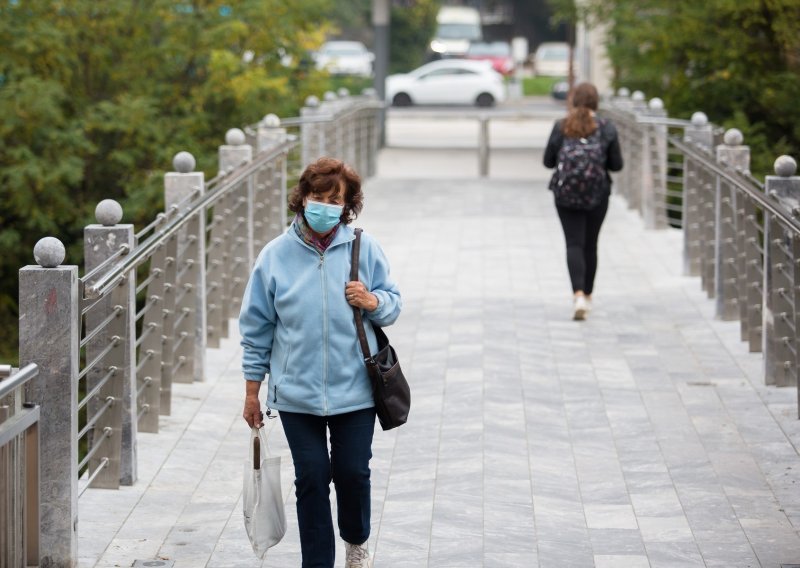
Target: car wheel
{"points": [[401, 100], [485, 100]]}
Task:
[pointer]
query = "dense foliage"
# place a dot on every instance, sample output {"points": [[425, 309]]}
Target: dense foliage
{"points": [[413, 26], [96, 97], [736, 60]]}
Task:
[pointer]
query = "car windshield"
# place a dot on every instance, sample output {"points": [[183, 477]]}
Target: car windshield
{"points": [[491, 49], [459, 31], [343, 49], [554, 54]]}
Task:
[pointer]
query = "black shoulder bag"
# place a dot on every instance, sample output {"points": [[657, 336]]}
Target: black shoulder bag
{"points": [[389, 386]]}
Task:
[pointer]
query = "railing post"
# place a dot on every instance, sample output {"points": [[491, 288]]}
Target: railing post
{"points": [[727, 264], [334, 129], [373, 135], [100, 242], [781, 276], [624, 178], [180, 188], [348, 128], [271, 134], [654, 169], [483, 146], [239, 218], [312, 134], [698, 132], [49, 335]]}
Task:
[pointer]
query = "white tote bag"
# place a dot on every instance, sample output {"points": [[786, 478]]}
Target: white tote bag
{"points": [[264, 517]]}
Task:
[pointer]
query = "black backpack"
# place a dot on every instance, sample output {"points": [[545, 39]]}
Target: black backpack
{"points": [[580, 180]]}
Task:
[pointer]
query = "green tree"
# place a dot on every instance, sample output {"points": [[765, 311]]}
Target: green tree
{"points": [[96, 97], [736, 60], [413, 26]]}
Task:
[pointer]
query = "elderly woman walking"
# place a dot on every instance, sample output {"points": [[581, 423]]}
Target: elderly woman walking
{"points": [[297, 326], [583, 148]]}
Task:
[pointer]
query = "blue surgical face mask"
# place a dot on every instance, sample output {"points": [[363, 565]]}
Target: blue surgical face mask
{"points": [[322, 217]]}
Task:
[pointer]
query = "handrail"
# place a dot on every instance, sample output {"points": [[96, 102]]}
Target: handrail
{"points": [[141, 253], [18, 379], [756, 195]]}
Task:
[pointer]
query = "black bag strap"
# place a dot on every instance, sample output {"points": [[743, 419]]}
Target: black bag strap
{"points": [[362, 336]]}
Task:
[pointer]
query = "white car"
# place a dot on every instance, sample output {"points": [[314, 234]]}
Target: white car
{"points": [[552, 59], [345, 58], [447, 81]]}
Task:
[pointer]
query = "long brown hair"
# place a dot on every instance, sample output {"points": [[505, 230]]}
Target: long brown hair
{"points": [[322, 175], [582, 102]]}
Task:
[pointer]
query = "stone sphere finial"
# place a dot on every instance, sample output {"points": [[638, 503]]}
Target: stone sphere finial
{"points": [[343, 92], [733, 137], [785, 166], [183, 162], [656, 104], [49, 252], [312, 101], [699, 119], [234, 137], [369, 92], [623, 92], [638, 96], [329, 96], [271, 121], [108, 212]]}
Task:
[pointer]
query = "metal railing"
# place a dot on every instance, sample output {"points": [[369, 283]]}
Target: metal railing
{"points": [[111, 344], [19, 464], [741, 236]]}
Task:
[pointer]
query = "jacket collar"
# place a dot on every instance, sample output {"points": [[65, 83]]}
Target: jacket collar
{"points": [[344, 234]]}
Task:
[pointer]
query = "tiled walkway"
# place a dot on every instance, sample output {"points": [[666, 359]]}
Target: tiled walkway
{"points": [[641, 437]]}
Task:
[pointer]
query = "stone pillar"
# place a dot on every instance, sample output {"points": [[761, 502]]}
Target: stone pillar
{"points": [[372, 139], [732, 155], [699, 132], [312, 134], [239, 201], [333, 128], [100, 242], [654, 169], [270, 133], [181, 187], [781, 252], [49, 335]]}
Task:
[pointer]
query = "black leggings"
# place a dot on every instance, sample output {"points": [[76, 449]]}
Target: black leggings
{"points": [[581, 229]]}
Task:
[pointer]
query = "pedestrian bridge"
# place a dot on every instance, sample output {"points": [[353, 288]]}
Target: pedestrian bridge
{"points": [[652, 434]]}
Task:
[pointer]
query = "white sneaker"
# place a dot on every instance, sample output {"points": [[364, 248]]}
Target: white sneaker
{"points": [[356, 555], [581, 307]]}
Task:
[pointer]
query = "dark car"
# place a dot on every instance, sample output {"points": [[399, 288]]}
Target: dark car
{"points": [[560, 90]]}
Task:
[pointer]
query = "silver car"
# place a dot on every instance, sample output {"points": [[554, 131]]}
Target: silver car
{"points": [[345, 58]]}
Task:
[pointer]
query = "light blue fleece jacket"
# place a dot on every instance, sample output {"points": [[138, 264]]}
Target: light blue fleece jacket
{"points": [[297, 326]]}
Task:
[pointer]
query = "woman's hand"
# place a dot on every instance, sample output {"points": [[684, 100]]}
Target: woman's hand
{"points": [[252, 406], [358, 296]]}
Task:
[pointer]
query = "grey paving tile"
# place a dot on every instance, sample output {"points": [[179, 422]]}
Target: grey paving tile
{"points": [[641, 437]]}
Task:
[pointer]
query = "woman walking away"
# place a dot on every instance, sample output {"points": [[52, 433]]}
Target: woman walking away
{"points": [[583, 148], [297, 326]]}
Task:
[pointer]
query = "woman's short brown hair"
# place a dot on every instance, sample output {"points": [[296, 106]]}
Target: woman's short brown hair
{"points": [[323, 175]]}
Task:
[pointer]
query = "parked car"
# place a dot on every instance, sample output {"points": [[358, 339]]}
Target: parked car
{"points": [[447, 81], [497, 52], [552, 59], [345, 58], [560, 90]]}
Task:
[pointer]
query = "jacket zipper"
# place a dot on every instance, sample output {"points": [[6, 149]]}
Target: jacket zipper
{"points": [[323, 279]]}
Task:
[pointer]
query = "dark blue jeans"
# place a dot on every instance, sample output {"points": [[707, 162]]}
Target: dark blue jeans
{"points": [[347, 465]]}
